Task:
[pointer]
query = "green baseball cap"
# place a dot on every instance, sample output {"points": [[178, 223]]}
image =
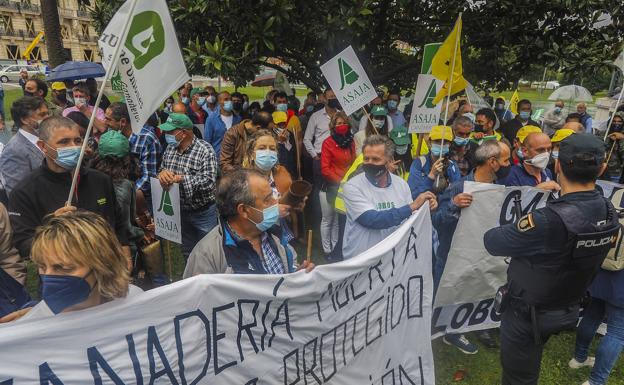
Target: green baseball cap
{"points": [[400, 136], [175, 121], [113, 143], [197, 91], [379, 111]]}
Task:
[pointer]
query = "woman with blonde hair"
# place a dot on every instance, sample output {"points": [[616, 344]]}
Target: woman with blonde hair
{"points": [[81, 265]]}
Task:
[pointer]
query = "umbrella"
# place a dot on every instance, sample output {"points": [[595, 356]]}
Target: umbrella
{"points": [[75, 70], [266, 79], [572, 93]]}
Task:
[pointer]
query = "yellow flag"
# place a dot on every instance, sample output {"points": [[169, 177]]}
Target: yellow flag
{"points": [[442, 64], [513, 102], [443, 60]]}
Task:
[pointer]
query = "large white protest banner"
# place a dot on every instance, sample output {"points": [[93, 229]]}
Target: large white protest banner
{"points": [[150, 66], [464, 300], [166, 209], [425, 114], [362, 321], [347, 78]]}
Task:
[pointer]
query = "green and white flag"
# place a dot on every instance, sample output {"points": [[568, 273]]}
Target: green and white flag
{"points": [[619, 61], [347, 78], [166, 209], [425, 114], [150, 65]]}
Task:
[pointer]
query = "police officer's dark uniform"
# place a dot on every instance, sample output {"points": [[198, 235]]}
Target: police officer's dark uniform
{"points": [[556, 252]]}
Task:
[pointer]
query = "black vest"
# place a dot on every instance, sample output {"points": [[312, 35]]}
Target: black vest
{"points": [[562, 279]]}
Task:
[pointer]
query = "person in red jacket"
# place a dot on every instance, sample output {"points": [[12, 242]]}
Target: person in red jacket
{"points": [[337, 155]]}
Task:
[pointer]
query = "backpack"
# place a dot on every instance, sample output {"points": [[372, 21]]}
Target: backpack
{"points": [[615, 258]]}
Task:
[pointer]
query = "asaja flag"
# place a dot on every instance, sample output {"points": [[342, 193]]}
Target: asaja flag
{"points": [[150, 50], [447, 64], [619, 61], [513, 103]]}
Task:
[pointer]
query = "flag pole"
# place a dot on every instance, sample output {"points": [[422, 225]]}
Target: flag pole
{"points": [[509, 105], [450, 86], [613, 114], [107, 77]]}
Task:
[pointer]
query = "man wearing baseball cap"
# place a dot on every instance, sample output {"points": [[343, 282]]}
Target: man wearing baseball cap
{"points": [[555, 253], [192, 163], [59, 99]]}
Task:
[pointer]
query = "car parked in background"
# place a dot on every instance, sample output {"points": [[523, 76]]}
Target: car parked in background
{"points": [[12, 73]]}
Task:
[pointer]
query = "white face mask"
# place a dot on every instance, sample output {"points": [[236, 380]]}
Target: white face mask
{"points": [[378, 123], [540, 161], [80, 101]]}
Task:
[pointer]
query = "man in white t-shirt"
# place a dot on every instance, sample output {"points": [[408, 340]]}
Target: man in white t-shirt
{"points": [[377, 201]]}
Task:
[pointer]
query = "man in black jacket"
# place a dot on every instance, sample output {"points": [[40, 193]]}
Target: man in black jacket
{"points": [[46, 189], [510, 129]]}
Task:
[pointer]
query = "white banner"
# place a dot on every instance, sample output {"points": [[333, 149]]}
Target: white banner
{"points": [[349, 81], [150, 51], [472, 276], [362, 321], [166, 209], [425, 114]]}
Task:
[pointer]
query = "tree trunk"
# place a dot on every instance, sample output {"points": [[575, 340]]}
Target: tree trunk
{"points": [[52, 29]]}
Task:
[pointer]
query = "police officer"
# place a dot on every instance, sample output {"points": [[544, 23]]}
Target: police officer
{"points": [[555, 253]]}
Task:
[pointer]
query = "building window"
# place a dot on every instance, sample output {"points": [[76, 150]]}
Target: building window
{"points": [[6, 24], [13, 52], [35, 54], [65, 31], [87, 55], [68, 54], [85, 30], [30, 27]]}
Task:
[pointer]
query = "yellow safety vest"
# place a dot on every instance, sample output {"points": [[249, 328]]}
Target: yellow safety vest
{"points": [[339, 203]]}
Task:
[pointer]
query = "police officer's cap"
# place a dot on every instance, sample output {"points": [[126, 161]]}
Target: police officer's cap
{"points": [[582, 150]]}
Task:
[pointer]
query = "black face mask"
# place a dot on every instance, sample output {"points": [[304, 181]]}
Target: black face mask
{"points": [[238, 106], [334, 103], [27, 93], [478, 128], [502, 172], [374, 171]]}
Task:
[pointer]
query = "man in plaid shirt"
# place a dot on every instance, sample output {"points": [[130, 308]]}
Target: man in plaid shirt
{"points": [[192, 163]]}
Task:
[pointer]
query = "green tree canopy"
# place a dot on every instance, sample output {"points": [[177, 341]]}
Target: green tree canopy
{"points": [[501, 39]]}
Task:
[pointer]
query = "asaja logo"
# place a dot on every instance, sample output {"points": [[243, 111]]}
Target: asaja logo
{"points": [[165, 204], [347, 74], [146, 38], [429, 96]]}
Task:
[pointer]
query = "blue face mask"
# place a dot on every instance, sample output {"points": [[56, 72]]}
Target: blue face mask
{"points": [[63, 291], [185, 100], [228, 105], [171, 140], [266, 159], [67, 157], [392, 104], [557, 110], [525, 115], [555, 154], [309, 108], [520, 154], [201, 101], [281, 107], [437, 150], [461, 141], [270, 216]]}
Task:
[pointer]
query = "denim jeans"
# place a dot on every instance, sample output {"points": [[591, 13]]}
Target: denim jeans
{"points": [[611, 344], [195, 225]]}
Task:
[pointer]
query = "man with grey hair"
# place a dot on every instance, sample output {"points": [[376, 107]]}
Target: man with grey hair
{"points": [[462, 148], [46, 189], [586, 119], [491, 164], [248, 239], [377, 201]]}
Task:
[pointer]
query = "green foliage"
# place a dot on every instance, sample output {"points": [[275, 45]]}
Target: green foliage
{"points": [[501, 41]]}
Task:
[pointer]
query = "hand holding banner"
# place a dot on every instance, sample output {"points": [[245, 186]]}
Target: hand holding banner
{"points": [[166, 208]]}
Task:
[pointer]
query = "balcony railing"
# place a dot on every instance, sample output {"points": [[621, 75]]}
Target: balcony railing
{"points": [[8, 5], [83, 14], [66, 13], [30, 8]]}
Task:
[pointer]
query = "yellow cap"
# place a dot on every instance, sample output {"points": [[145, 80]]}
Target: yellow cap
{"points": [[561, 134], [58, 86], [441, 132], [279, 117], [525, 131]]}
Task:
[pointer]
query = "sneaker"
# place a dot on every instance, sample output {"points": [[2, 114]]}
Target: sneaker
{"points": [[461, 343], [586, 383], [574, 364], [486, 337]]}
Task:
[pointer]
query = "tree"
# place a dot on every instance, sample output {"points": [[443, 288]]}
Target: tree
{"points": [[52, 29], [501, 39]]}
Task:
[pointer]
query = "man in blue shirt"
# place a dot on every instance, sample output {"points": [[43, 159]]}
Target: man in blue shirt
{"points": [[532, 169], [586, 119], [394, 99], [435, 171], [218, 123], [491, 163]]}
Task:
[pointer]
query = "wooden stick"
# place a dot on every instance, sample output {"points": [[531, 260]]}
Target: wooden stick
{"points": [[298, 151], [370, 120], [611, 152], [309, 255], [421, 138], [169, 261]]}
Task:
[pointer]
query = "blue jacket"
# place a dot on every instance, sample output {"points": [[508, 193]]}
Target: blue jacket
{"points": [[418, 179], [519, 177], [609, 286], [214, 129]]}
